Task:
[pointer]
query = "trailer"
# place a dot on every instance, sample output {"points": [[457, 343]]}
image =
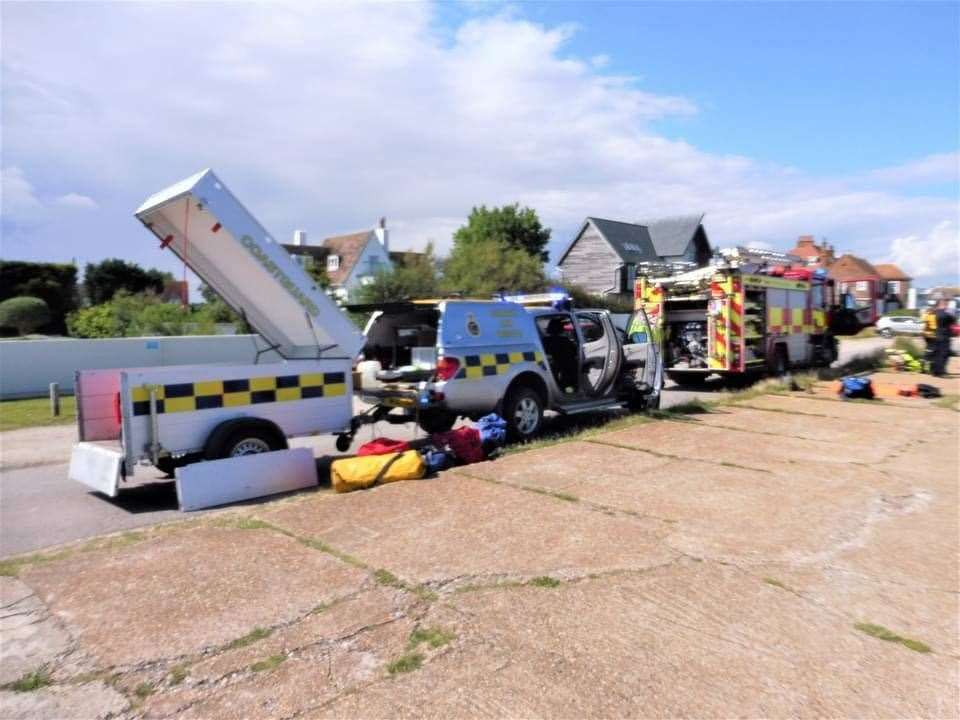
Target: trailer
{"points": [[750, 315], [170, 417]]}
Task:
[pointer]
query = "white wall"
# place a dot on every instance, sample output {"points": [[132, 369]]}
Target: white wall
{"points": [[27, 367]]}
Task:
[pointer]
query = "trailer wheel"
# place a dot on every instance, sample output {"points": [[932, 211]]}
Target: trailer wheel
{"points": [[247, 436]]}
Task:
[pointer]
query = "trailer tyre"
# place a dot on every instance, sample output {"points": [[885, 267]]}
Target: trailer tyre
{"points": [[237, 438]]}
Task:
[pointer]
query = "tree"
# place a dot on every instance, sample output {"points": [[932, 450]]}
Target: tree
{"points": [[511, 225], [482, 267], [414, 278], [318, 273], [102, 280], [54, 283], [24, 313]]}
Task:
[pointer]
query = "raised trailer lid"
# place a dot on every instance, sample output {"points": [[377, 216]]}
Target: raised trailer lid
{"points": [[205, 225]]}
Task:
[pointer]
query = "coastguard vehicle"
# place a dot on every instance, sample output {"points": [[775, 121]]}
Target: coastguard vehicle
{"points": [[439, 360]]}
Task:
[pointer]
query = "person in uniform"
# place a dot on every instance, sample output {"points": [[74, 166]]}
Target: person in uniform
{"points": [[941, 343]]}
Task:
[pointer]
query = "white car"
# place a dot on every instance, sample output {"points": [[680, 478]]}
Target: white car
{"points": [[890, 325]]}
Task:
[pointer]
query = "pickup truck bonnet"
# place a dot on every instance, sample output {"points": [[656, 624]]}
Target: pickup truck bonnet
{"points": [[202, 222]]}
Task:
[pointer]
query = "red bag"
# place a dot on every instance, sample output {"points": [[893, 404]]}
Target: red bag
{"points": [[382, 446], [464, 442]]}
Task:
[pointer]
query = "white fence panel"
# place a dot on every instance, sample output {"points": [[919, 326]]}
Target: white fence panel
{"points": [[27, 367]]}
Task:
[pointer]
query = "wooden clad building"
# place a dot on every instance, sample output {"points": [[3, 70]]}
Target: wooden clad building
{"points": [[604, 255]]}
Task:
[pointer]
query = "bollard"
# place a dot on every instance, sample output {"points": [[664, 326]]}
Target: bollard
{"points": [[55, 399]]}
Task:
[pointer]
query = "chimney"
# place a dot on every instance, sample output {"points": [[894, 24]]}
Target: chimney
{"points": [[299, 237], [805, 241], [382, 234]]}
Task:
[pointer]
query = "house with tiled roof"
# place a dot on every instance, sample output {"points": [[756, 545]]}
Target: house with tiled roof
{"points": [[603, 256], [813, 254], [894, 285], [350, 260], [859, 278]]}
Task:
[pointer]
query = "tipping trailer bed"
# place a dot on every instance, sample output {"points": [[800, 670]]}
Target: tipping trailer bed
{"points": [[174, 415]]}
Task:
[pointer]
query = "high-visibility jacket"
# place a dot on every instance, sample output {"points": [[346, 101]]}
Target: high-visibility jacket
{"points": [[929, 324]]}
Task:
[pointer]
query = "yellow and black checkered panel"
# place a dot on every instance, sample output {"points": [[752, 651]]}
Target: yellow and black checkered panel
{"points": [[476, 367], [210, 394]]}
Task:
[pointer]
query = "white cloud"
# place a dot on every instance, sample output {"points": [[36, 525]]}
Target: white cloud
{"points": [[74, 200], [326, 116], [941, 167], [936, 254], [17, 194]]}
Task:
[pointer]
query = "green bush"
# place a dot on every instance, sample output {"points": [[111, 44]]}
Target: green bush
{"points": [[915, 312], [138, 315], [24, 313], [54, 283]]}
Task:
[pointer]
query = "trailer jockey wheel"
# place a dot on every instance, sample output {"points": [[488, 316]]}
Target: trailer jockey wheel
{"points": [[344, 442]]}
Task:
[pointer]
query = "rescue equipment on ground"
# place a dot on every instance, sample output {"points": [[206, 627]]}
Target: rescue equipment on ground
{"points": [[383, 446], [463, 443], [493, 430], [855, 387], [358, 473], [901, 360]]}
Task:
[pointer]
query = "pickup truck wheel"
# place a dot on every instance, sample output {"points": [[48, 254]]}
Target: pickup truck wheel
{"points": [[436, 421], [523, 411]]}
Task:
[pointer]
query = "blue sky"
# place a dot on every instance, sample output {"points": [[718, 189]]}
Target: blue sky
{"points": [[776, 119]]}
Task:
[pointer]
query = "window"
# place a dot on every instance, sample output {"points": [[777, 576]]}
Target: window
{"points": [[893, 287], [590, 328], [333, 263], [862, 286]]}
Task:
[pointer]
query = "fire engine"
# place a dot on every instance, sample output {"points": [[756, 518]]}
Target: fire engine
{"points": [[749, 314]]}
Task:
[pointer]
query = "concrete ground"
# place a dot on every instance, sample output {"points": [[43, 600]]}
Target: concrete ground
{"points": [[41, 507], [787, 556]]}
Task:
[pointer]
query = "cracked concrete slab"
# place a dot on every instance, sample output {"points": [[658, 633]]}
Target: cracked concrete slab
{"points": [[692, 640], [692, 440], [29, 637], [181, 592], [908, 419], [455, 526], [89, 701]]}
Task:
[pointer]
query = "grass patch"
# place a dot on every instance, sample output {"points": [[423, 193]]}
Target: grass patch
{"points": [[950, 402], [545, 581], [385, 577], [434, 637], [31, 681], [405, 663], [35, 412], [776, 583], [255, 635], [246, 523], [908, 345], [882, 633], [143, 690], [270, 663], [12, 566], [178, 673]]}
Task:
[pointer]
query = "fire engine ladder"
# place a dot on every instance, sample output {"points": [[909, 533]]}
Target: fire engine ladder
{"points": [[204, 224], [747, 257]]}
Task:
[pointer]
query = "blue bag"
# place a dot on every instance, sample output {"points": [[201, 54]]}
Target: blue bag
{"points": [[493, 429], [856, 387]]}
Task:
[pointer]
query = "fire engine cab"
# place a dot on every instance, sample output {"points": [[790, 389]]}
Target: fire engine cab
{"points": [[749, 314]]}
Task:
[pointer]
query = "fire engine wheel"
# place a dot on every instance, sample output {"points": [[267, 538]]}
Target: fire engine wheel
{"points": [[523, 411], [780, 364], [686, 380], [232, 440]]}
